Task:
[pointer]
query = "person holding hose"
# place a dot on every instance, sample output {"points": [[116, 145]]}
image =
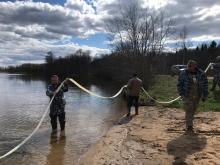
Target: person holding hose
{"points": [[192, 86], [57, 108], [134, 87]]}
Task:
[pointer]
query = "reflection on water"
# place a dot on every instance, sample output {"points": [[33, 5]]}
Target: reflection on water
{"points": [[57, 152], [22, 103]]}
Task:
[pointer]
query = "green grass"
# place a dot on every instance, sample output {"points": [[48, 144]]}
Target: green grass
{"points": [[164, 89]]}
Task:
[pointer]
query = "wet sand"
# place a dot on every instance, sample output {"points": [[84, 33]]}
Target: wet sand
{"points": [[157, 136]]}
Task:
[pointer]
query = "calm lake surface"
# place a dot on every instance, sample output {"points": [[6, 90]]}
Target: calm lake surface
{"points": [[22, 104]]}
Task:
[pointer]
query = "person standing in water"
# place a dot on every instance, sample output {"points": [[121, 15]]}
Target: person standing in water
{"points": [[57, 108], [134, 87]]}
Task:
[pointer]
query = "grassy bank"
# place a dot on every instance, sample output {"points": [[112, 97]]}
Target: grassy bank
{"points": [[164, 89]]}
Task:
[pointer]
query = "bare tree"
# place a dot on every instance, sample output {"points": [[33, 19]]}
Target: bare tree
{"points": [[139, 33], [183, 43], [138, 30], [183, 40]]}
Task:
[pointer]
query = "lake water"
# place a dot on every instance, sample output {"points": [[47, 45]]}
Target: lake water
{"points": [[22, 104]]}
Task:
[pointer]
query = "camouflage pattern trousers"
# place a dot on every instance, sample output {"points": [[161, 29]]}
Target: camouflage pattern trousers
{"points": [[190, 105], [57, 113]]}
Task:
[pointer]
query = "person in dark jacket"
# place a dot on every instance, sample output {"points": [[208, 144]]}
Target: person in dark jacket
{"points": [[216, 70], [57, 108], [134, 87], [192, 86]]}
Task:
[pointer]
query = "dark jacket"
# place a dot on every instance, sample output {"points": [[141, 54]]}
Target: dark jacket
{"points": [[216, 69], [185, 83], [58, 102], [134, 86]]}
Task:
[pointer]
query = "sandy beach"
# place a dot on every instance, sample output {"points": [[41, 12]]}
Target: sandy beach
{"points": [[157, 136]]}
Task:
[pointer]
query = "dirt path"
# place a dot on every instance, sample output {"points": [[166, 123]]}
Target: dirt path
{"points": [[157, 136]]}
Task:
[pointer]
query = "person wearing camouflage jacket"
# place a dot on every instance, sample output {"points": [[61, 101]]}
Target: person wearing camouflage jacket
{"points": [[192, 86], [57, 108]]}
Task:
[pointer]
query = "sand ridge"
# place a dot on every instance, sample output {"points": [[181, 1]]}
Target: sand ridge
{"points": [[157, 136]]}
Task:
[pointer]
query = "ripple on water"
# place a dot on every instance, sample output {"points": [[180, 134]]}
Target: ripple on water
{"points": [[87, 120]]}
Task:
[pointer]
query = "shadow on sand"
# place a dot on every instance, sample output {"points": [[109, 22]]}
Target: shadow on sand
{"points": [[125, 120], [184, 146]]}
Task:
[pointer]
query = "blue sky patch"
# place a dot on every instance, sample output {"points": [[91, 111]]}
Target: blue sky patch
{"points": [[96, 40]]}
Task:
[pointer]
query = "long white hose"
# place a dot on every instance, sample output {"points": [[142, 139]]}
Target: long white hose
{"points": [[94, 94], [177, 98], [47, 109], [34, 131], [89, 92], [160, 102]]}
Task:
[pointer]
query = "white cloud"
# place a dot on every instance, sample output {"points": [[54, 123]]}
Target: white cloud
{"points": [[35, 51], [157, 3], [80, 6], [29, 29], [214, 11]]}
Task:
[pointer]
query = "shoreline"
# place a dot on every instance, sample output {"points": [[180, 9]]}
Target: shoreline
{"points": [[157, 136]]}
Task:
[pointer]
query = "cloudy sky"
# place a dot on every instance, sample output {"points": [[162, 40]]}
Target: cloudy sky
{"points": [[29, 29]]}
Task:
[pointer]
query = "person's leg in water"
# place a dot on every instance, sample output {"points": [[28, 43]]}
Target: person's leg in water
{"points": [[53, 120], [62, 121], [136, 104], [53, 117]]}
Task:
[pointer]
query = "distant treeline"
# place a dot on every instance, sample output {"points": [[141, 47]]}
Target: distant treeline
{"points": [[116, 66], [74, 65], [80, 65], [203, 54]]}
